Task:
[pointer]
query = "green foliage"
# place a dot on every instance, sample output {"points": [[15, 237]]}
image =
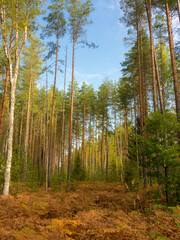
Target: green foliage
{"points": [[17, 164], [32, 179], [2, 168], [162, 150], [78, 173], [78, 17]]}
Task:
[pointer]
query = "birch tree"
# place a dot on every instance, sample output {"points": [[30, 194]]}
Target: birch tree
{"points": [[15, 20]]}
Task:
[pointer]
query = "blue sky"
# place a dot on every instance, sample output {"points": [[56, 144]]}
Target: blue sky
{"points": [[94, 65]]}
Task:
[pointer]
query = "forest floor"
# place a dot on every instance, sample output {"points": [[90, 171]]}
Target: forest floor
{"points": [[93, 210]]}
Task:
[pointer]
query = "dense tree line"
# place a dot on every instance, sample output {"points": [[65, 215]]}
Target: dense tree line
{"points": [[125, 131]]}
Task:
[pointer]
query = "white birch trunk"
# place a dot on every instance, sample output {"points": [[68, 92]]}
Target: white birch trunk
{"points": [[10, 137]]}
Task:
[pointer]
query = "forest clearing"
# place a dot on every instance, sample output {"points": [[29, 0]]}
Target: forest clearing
{"points": [[89, 119], [91, 210]]}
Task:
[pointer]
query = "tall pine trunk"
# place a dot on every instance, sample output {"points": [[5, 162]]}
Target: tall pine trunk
{"points": [[149, 16], [63, 117], [173, 61], [71, 113], [47, 132], [26, 137], [53, 108], [83, 135]]}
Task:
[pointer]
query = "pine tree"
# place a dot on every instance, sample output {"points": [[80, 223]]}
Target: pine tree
{"points": [[78, 18]]}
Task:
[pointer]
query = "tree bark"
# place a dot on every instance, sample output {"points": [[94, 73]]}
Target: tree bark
{"points": [[107, 148], [10, 135], [125, 135], [135, 116], [162, 74], [158, 83], [53, 108], [26, 137], [4, 97], [21, 127], [149, 16], [47, 132], [115, 141], [71, 114], [173, 61], [139, 73], [63, 130], [83, 135]]}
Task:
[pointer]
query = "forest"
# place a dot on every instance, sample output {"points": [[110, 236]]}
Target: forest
{"points": [[83, 163]]}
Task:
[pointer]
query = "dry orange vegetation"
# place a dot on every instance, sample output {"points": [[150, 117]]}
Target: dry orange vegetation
{"points": [[92, 211]]}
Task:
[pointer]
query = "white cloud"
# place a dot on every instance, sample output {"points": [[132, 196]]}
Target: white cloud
{"points": [[109, 4], [89, 78]]}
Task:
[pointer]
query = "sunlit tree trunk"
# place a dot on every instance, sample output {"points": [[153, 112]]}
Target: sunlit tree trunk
{"points": [[83, 135], [125, 135], [135, 116], [115, 141], [139, 71], [71, 114], [149, 16], [102, 147], [107, 147], [47, 132], [21, 127], [10, 135], [4, 97], [53, 107], [26, 136], [40, 149], [162, 74], [158, 83], [173, 61]]}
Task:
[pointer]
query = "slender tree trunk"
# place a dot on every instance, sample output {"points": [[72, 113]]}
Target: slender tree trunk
{"points": [[96, 148], [26, 136], [40, 150], [53, 107], [77, 136], [63, 130], [33, 145], [4, 97], [173, 61], [149, 16], [102, 148], [139, 72], [83, 135], [44, 142], [120, 149], [21, 127], [135, 116], [10, 135], [90, 159], [115, 141], [158, 83], [71, 115], [162, 74], [47, 132], [93, 158], [125, 135], [107, 148], [32, 123]]}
